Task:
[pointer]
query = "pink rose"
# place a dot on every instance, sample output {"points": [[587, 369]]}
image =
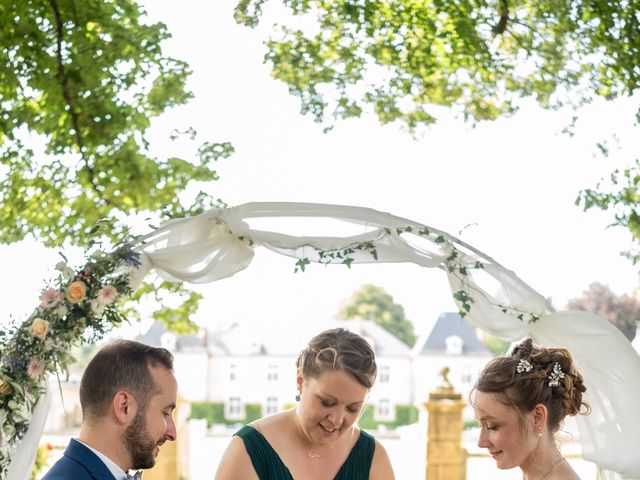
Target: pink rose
{"points": [[50, 298], [107, 295]]}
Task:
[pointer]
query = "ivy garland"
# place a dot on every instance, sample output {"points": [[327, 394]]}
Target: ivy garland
{"points": [[456, 263]]}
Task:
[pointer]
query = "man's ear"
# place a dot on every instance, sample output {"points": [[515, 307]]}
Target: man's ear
{"points": [[124, 407]]}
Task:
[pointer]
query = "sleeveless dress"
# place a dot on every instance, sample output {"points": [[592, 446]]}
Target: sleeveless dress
{"points": [[269, 466]]}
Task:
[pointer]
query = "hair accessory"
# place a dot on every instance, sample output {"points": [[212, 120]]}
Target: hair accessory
{"points": [[523, 366], [555, 376]]}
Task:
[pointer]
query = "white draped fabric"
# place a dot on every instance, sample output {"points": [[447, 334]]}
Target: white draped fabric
{"points": [[25, 455], [220, 243]]}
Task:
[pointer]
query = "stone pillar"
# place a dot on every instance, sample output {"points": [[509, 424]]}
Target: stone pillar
{"points": [[446, 459], [172, 462]]}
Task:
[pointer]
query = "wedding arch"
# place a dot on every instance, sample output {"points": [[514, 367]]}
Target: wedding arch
{"points": [[220, 243]]}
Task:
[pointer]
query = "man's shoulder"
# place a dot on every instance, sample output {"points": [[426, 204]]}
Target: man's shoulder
{"points": [[78, 462], [67, 468]]}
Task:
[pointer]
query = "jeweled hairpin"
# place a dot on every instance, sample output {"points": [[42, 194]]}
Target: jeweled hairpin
{"points": [[523, 366], [555, 376]]}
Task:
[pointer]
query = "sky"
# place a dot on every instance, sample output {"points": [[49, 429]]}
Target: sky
{"points": [[506, 187]]}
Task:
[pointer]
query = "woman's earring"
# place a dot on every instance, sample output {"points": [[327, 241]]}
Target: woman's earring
{"points": [[540, 433], [298, 397]]}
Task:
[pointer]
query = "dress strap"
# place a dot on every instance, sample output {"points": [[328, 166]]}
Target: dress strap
{"points": [[265, 460], [358, 463]]}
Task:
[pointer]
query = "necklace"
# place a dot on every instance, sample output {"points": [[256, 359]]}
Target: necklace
{"points": [[553, 467], [313, 454]]}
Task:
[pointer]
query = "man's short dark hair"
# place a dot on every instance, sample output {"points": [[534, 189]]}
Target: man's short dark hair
{"points": [[121, 365]]}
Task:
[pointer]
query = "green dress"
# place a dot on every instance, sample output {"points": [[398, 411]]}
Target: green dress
{"points": [[269, 466]]}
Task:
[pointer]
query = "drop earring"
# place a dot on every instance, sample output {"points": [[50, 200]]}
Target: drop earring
{"points": [[298, 396]]}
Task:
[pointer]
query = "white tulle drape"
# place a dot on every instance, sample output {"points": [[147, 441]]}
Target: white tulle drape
{"points": [[220, 243], [25, 455]]}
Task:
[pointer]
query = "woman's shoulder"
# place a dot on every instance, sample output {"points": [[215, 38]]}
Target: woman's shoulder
{"points": [[235, 462], [381, 468], [564, 472], [273, 423]]}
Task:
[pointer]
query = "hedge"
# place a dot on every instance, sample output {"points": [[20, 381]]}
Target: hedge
{"points": [[213, 413]]}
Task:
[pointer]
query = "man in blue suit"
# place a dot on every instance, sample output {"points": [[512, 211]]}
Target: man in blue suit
{"points": [[128, 393]]}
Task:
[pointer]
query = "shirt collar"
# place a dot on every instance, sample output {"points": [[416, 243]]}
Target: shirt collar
{"points": [[113, 467]]}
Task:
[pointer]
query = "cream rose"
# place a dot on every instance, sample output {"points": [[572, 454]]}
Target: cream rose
{"points": [[39, 328], [76, 292]]}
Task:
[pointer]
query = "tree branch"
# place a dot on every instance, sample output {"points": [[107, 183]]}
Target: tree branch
{"points": [[542, 67], [500, 27], [66, 93]]}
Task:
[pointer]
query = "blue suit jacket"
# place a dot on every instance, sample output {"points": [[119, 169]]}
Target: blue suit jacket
{"points": [[79, 463]]}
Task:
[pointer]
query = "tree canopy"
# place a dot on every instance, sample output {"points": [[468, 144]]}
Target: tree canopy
{"points": [[620, 195], [80, 82], [374, 303], [405, 58]]}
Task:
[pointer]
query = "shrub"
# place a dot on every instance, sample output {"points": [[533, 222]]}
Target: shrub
{"points": [[213, 413], [405, 415]]}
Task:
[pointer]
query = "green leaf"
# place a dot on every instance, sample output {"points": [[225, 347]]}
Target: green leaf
{"points": [[301, 264]]}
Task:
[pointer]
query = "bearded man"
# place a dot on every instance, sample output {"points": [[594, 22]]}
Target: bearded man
{"points": [[128, 393]]}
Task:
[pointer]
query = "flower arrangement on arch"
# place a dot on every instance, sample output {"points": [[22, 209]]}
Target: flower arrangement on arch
{"points": [[78, 306]]}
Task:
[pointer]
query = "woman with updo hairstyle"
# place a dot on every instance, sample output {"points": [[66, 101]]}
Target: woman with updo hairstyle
{"points": [[521, 401], [318, 439]]}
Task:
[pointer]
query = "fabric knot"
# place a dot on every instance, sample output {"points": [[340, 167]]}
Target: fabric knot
{"points": [[135, 476]]}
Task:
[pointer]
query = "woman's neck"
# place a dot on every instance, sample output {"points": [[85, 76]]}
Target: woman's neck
{"points": [[542, 461]]}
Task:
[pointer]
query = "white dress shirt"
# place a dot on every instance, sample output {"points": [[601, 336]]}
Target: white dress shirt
{"points": [[115, 470]]}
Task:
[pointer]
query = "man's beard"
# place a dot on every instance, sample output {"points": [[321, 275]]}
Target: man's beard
{"points": [[140, 444]]}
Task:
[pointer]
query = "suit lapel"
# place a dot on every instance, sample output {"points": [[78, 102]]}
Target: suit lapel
{"points": [[90, 460]]}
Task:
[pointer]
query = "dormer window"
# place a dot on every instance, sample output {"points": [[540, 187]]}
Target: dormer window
{"points": [[169, 341], [454, 345]]}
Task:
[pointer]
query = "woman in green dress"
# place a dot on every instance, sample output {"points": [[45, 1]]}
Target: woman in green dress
{"points": [[317, 440]]}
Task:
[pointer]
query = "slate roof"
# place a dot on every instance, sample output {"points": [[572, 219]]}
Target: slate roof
{"points": [[261, 340], [449, 324]]}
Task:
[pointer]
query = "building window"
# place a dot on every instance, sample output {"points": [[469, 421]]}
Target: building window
{"points": [[465, 375], [384, 374], [454, 345], [383, 410], [272, 405], [272, 373], [234, 408], [233, 374]]}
